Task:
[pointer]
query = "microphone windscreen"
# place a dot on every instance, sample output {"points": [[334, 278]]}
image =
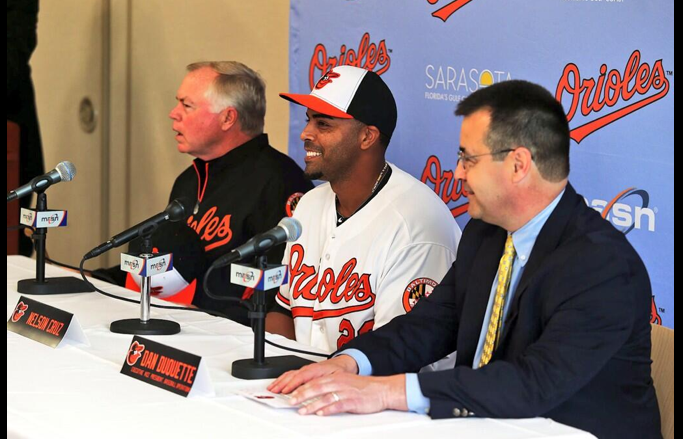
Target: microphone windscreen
{"points": [[292, 227], [179, 209], [66, 170]]}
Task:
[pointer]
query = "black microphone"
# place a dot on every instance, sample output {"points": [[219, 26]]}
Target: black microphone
{"points": [[287, 230], [177, 210], [64, 171]]}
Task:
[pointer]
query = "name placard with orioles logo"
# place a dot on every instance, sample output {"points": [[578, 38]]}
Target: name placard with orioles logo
{"points": [[168, 368], [45, 324]]}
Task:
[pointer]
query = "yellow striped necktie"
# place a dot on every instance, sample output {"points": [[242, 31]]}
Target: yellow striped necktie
{"points": [[495, 323]]}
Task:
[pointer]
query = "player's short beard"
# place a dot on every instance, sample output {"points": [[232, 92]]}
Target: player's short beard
{"points": [[313, 175]]}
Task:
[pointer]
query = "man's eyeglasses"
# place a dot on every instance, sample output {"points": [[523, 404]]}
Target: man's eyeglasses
{"points": [[470, 160]]}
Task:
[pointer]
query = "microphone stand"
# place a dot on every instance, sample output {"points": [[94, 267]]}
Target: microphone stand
{"points": [[261, 367], [145, 325], [54, 285]]}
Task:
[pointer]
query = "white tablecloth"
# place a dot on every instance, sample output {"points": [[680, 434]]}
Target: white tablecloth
{"points": [[78, 391]]}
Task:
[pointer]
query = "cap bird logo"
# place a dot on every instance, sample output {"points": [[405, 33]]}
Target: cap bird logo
{"points": [[326, 79]]}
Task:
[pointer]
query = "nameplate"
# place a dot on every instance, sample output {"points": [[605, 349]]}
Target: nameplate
{"points": [[45, 324], [168, 368]]}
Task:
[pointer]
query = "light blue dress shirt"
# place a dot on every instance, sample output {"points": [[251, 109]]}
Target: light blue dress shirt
{"points": [[524, 240]]}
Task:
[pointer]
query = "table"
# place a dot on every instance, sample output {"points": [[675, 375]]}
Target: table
{"points": [[77, 391]]}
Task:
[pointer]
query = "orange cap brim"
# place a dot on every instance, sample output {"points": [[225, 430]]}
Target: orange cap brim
{"points": [[316, 104]]}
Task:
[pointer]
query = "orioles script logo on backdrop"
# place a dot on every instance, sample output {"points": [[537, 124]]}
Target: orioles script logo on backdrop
{"points": [[451, 8], [654, 314], [444, 183], [369, 56], [593, 95]]}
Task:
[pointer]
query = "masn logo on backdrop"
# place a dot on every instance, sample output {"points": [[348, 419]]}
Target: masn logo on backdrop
{"points": [[628, 210], [368, 55]]}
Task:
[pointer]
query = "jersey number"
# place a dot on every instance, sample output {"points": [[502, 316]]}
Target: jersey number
{"points": [[347, 333]]}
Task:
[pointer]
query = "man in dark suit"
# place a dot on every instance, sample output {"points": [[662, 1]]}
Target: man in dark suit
{"points": [[547, 304]]}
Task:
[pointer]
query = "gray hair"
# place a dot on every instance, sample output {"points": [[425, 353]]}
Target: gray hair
{"points": [[240, 87]]}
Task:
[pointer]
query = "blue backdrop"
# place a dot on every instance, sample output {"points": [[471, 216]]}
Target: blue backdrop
{"points": [[610, 63]]}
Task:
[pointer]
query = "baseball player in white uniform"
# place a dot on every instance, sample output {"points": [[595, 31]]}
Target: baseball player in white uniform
{"points": [[375, 240]]}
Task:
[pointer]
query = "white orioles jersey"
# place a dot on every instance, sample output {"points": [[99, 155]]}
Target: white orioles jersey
{"points": [[348, 279]]}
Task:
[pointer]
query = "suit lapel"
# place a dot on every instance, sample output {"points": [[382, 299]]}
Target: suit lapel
{"points": [[546, 242], [479, 284]]}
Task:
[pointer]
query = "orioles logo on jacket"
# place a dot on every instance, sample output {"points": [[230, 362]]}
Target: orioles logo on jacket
{"points": [[212, 229], [346, 290]]}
